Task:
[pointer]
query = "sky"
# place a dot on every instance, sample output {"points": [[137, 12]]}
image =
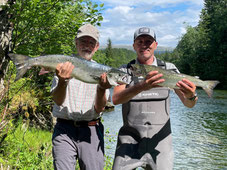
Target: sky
{"points": [[168, 18]]}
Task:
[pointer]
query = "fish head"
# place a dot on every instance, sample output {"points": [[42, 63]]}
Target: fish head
{"points": [[116, 77], [137, 70]]}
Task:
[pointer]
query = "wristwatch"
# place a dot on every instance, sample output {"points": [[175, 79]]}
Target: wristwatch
{"points": [[193, 98]]}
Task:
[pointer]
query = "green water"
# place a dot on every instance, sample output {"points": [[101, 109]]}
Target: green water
{"points": [[199, 134]]}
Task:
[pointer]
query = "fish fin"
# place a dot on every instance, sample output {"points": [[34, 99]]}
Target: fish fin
{"points": [[44, 71], [112, 83], [21, 62], [210, 86]]}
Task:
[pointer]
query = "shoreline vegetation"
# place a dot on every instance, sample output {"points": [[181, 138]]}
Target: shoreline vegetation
{"points": [[27, 147]]}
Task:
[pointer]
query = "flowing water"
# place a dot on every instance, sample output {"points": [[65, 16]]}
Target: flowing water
{"points": [[199, 133]]}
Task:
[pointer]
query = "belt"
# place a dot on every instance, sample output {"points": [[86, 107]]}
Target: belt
{"points": [[79, 123]]}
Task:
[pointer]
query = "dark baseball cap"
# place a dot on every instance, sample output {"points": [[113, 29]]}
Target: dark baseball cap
{"points": [[144, 31]]}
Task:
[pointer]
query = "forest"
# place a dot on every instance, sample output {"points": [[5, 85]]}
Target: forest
{"points": [[40, 27]]}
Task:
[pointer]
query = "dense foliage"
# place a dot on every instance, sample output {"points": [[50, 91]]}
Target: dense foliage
{"points": [[49, 27], [202, 50], [42, 27]]}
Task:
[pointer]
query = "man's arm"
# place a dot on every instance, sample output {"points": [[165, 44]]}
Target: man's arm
{"points": [[186, 91], [63, 71], [122, 94], [59, 92], [100, 99]]}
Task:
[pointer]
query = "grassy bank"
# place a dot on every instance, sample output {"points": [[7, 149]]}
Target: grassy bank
{"points": [[29, 148], [26, 148]]}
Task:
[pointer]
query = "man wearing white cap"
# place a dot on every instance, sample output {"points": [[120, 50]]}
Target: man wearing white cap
{"points": [[78, 134], [145, 138]]}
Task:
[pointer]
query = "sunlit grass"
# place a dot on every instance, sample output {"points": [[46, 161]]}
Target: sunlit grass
{"points": [[30, 148]]}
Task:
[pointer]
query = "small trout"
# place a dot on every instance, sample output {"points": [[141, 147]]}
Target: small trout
{"points": [[171, 78]]}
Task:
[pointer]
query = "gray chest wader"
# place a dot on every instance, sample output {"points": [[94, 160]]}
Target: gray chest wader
{"points": [[145, 139]]}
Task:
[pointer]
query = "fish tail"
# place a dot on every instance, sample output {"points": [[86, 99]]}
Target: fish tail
{"points": [[21, 62], [210, 85]]}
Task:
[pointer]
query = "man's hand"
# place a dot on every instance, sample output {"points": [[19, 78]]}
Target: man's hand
{"points": [[153, 79], [103, 83], [64, 70], [100, 99], [187, 88]]}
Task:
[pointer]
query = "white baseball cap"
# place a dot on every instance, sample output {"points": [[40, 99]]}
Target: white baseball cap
{"points": [[144, 31], [88, 30]]}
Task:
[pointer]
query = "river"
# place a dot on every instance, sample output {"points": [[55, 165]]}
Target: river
{"points": [[199, 133]]}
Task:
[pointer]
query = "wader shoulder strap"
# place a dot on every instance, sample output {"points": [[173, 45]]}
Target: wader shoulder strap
{"points": [[161, 63], [129, 66]]}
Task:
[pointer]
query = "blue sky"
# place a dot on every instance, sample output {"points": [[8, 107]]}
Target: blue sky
{"points": [[166, 17]]}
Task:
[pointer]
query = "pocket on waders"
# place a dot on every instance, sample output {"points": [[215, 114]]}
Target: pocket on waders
{"points": [[148, 107]]}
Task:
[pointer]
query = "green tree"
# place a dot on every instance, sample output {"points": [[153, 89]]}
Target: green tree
{"points": [[190, 50], [119, 56], [122, 56], [39, 27], [202, 50], [214, 23], [100, 56], [109, 53], [49, 27]]}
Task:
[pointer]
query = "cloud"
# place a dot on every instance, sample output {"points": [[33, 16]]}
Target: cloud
{"points": [[150, 2], [166, 17]]}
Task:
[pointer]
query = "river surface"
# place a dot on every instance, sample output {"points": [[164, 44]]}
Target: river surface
{"points": [[199, 133]]}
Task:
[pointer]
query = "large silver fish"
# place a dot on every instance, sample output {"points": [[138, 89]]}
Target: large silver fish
{"points": [[84, 70], [171, 78]]}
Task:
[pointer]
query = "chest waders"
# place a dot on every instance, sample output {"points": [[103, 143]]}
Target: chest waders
{"points": [[145, 139]]}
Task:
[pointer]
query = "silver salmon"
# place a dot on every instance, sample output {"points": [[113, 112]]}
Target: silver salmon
{"points": [[86, 71], [171, 77]]}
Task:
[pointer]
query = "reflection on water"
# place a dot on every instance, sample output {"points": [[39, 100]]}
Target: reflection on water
{"points": [[199, 134]]}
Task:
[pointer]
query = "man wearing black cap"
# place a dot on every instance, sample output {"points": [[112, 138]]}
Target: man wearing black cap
{"points": [[78, 107], [145, 139]]}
